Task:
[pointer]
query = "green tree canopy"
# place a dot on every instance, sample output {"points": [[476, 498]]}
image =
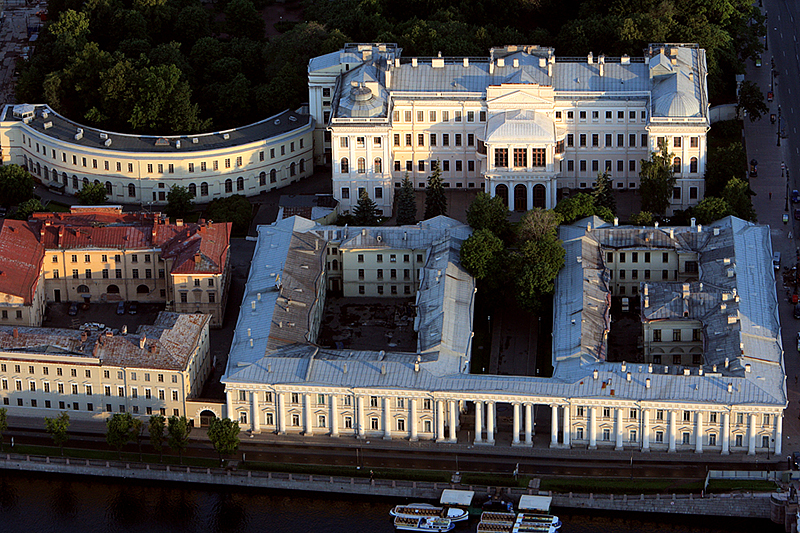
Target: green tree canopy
{"points": [[724, 163], [119, 431], [242, 20], [480, 253], [435, 200], [57, 428], [92, 194], [27, 208], [3, 424], [365, 213], [224, 436], [539, 224], [489, 213], [580, 206], [178, 430], [536, 267], [711, 209], [751, 100], [737, 194], [604, 193], [16, 185], [406, 203], [155, 428], [643, 218], [236, 209], [179, 201], [657, 180]]}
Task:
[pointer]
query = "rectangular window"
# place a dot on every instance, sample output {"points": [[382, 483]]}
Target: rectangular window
{"points": [[501, 157], [433, 139], [470, 139], [420, 116]]}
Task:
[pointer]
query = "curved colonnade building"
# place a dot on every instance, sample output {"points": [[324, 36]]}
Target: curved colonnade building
{"points": [[140, 169]]}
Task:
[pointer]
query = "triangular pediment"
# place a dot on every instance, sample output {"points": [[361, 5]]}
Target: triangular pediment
{"points": [[504, 96]]}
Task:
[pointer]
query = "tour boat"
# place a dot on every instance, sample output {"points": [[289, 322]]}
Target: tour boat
{"points": [[426, 523], [534, 518], [453, 506]]}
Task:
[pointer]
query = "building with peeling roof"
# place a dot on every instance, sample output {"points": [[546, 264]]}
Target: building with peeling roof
{"points": [[522, 123]]}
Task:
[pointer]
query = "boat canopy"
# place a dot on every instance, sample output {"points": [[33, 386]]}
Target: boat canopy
{"points": [[456, 497], [534, 503]]}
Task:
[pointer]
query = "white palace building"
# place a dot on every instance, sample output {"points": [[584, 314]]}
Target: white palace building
{"points": [[707, 375], [521, 123]]}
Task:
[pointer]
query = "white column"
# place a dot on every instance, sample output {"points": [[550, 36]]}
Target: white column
{"points": [[515, 431], [726, 432], [440, 421], [593, 428], [413, 420], [256, 412], [698, 435], [490, 423], [751, 435], [334, 415], [645, 430], [453, 421], [308, 429], [510, 186], [778, 434], [554, 425], [671, 431], [229, 404], [360, 422], [281, 405], [478, 422], [618, 414], [567, 428], [529, 190], [528, 423], [387, 419]]}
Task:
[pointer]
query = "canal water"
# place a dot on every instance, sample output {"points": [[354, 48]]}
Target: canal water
{"points": [[81, 505]]}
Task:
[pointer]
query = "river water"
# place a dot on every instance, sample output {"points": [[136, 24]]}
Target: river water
{"points": [[71, 504]]}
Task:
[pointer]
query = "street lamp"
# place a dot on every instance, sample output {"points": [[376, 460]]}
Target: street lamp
{"points": [[779, 125]]}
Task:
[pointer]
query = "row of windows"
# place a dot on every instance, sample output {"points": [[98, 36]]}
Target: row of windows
{"points": [[87, 258], [322, 399], [347, 422], [622, 274], [608, 114], [634, 256], [677, 335], [76, 406], [677, 359], [583, 139], [433, 139], [520, 157], [434, 116], [87, 390], [582, 165], [105, 273], [685, 437], [393, 289], [687, 416], [392, 258], [87, 372], [85, 162], [392, 274]]}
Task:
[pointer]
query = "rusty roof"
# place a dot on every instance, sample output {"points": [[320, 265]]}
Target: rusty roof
{"points": [[21, 257]]}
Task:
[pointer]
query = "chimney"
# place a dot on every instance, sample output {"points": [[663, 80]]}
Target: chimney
{"points": [[623, 366], [196, 259], [179, 222], [747, 368], [730, 388], [595, 374], [515, 62], [124, 329], [647, 383], [693, 222], [686, 287], [699, 228], [700, 371], [153, 348], [414, 62], [671, 233], [466, 62], [727, 362], [590, 58], [650, 368], [142, 342], [628, 376], [383, 370], [84, 335], [416, 364], [549, 69], [542, 62], [602, 62], [714, 368], [15, 334]]}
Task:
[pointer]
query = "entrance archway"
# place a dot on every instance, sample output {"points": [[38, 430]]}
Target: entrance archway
{"points": [[206, 417], [520, 198], [142, 289], [539, 196], [112, 289], [502, 191]]}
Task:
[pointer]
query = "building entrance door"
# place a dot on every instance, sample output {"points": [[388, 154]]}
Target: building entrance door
{"points": [[57, 295]]}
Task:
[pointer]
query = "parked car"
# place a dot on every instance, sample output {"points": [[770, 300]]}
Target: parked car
{"points": [[73, 309], [776, 260], [798, 341], [795, 196], [121, 308], [797, 311], [758, 61], [794, 460], [753, 168], [797, 214], [133, 307]]}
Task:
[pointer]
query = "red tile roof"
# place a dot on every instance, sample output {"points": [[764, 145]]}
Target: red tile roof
{"points": [[21, 257], [200, 248]]}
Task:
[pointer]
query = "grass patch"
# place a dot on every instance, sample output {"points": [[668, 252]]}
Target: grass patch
{"points": [[493, 480], [110, 455], [740, 485], [620, 486], [57, 207], [433, 476]]}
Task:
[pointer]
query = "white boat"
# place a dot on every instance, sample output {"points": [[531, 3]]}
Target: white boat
{"points": [[426, 524], [453, 507], [534, 518]]}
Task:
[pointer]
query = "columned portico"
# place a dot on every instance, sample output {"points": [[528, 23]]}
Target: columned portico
{"points": [[671, 431], [751, 434], [281, 405], [360, 422], [387, 419], [453, 421], [698, 436], [554, 426], [593, 428], [440, 421], [528, 424], [726, 433], [645, 430], [618, 413], [413, 420], [308, 429], [256, 412], [515, 430], [778, 434], [334, 415], [478, 422], [490, 423]]}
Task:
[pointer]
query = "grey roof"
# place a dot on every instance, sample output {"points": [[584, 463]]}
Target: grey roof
{"points": [[65, 130], [510, 126]]}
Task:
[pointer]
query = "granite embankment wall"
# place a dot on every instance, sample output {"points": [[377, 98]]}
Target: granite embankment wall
{"points": [[743, 505]]}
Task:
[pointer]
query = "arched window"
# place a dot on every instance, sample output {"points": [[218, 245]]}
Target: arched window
{"points": [[693, 165], [240, 183], [109, 189], [362, 165], [345, 165], [378, 165], [112, 289], [64, 177], [55, 175], [292, 169], [83, 289], [193, 189], [273, 176], [142, 289], [97, 182], [25, 161], [335, 264], [676, 165], [85, 182], [302, 166], [228, 185], [74, 181], [204, 189], [131, 190], [262, 179], [38, 169], [46, 173]]}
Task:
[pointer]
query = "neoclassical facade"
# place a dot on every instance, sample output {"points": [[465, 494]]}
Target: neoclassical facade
{"points": [[520, 124], [140, 169], [731, 401]]}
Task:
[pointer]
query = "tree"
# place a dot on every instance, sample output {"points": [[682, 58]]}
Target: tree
{"points": [[16, 185], [242, 20], [711, 209], [657, 180], [178, 430], [92, 194], [642, 218], [365, 213], [224, 436], [27, 208], [489, 213], [479, 253], [137, 433], [724, 163], [179, 201], [235, 209], [538, 224], [737, 194], [435, 200], [155, 428], [406, 203], [3, 424], [604, 193], [57, 427], [118, 431], [579, 206], [751, 100], [536, 267]]}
